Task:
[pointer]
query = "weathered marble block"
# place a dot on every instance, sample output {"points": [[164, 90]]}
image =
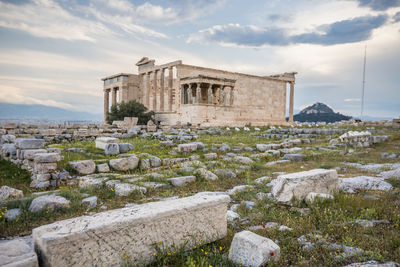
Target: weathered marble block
{"points": [[29, 143], [103, 239], [187, 148], [102, 141], [298, 185]]}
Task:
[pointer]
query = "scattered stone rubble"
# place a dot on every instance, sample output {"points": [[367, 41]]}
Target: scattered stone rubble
{"points": [[247, 248]]}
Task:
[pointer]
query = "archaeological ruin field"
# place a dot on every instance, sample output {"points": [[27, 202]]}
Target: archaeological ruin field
{"points": [[305, 195]]}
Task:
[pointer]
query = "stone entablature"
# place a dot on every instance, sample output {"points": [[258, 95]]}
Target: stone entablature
{"points": [[170, 89]]}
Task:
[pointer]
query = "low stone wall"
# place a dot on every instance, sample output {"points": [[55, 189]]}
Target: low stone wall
{"points": [[132, 234]]}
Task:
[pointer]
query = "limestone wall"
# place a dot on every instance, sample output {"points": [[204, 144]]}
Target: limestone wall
{"points": [[134, 92], [257, 100]]}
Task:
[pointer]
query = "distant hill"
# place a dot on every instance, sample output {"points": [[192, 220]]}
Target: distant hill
{"points": [[319, 112], [41, 112]]}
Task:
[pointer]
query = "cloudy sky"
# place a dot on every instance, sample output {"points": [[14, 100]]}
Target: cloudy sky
{"points": [[55, 52]]}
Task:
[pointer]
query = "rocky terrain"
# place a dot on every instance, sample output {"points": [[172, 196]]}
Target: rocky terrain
{"points": [[300, 196]]}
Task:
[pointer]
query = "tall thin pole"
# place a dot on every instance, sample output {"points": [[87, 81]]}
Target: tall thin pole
{"points": [[363, 83]]}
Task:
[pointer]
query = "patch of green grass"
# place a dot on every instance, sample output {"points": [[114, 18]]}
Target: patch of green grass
{"points": [[13, 176]]}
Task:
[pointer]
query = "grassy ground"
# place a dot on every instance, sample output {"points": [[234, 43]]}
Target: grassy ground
{"points": [[330, 219]]}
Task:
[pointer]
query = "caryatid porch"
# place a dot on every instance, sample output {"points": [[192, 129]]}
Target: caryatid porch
{"points": [[205, 90]]}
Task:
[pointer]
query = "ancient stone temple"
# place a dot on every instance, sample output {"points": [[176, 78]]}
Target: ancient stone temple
{"points": [[182, 94]]}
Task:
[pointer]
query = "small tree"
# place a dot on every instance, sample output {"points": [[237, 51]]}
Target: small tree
{"points": [[129, 109]]}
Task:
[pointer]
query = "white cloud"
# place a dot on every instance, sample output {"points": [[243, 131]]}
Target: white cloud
{"points": [[147, 13], [352, 100], [14, 95], [46, 18]]}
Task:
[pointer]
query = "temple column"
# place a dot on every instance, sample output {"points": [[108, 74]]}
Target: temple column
{"points": [[106, 103], [155, 90], [182, 88], [209, 94], [221, 91], [162, 90], [124, 94], [170, 84], [198, 93], [147, 90], [114, 96], [190, 94], [142, 89], [231, 97], [225, 98], [291, 103]]}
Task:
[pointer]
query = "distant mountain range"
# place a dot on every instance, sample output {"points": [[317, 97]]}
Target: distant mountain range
{"points": [[40, 112], [319, 112]]}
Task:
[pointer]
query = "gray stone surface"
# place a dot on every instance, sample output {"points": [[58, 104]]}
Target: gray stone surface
{"points": [[103, 238], [354, 184], [251, 250], [29, 143], [49, 202], [238, 188], [90, 202], [145, 164], [155, 161], [311, 197], [225, 173], [232, 216], [43, 168], [83, 166], [125, 147], [12, 214], [7, 192], [211, 156], [187, 148], [293, 157], [111, 149], [102, 141], [182, 181], [243, 160], [103, 168], [298, 185], [125, 164], [125, 189], [8, 138], [373, 264], [206, 174], [18, 252], [47, 157]]}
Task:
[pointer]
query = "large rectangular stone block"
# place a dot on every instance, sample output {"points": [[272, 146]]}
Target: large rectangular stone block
{"points": [[103, 239], [102, 141], [29, 143], [299, 184]]}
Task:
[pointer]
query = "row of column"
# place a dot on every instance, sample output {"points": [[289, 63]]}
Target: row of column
{"points": [[222, 99], [123, 97], [291, 102], [147, 89]]}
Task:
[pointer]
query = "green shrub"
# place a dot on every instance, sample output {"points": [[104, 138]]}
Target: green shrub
{"points": [[129, 109]]}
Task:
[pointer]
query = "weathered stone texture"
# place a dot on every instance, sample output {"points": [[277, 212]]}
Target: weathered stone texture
{"points": [[298, 185], [124, 164], [251, 250], [104, 238], [18, 253], [102, 141], [83, 166], [29, 143]]}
